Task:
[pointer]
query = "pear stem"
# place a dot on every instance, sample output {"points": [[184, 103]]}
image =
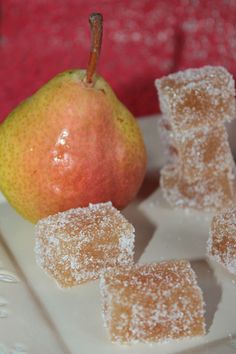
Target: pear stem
{"points": [[95, 21]]}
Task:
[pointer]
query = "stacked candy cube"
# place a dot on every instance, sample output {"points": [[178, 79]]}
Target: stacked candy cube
{"points": [[196, 103]]}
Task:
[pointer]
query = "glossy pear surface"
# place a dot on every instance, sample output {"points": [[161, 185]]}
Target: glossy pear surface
{"points": [[69, 145]]}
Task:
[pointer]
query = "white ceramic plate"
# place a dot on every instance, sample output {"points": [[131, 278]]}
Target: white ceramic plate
{"points": [[37, 317]]}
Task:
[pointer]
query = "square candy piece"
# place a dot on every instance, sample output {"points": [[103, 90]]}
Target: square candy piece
{"points": [[153, 302], [205, 152], [197, 97], [208, 193], [222, 241], [77, 245]]}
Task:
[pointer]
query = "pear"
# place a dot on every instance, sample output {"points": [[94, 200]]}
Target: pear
{"points": [[70, 144]]}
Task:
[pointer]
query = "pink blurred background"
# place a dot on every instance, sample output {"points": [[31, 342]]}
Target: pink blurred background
{"points": [[143, 40]]}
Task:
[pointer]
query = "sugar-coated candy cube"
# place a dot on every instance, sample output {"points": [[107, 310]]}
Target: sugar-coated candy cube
{"points": [[222, 241], [195, 104], [204, 152], [197, 97], [77, 245], [152, 302], [208, 193]]}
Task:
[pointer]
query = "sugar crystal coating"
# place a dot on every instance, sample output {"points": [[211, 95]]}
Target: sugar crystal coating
{"points": [[197, 97], [222, 241], [167, 137], [153, 302], [77, 245], [209, 193], [204, 152], [201, 172]]}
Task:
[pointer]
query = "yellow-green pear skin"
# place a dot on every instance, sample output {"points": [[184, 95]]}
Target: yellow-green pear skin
{"points": [[68, 145]]}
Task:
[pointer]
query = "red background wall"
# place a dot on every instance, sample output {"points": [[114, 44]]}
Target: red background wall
{"points": [[143, 40]]}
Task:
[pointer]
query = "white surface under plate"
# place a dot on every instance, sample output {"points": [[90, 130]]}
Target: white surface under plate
{"points": [[37, 317]]}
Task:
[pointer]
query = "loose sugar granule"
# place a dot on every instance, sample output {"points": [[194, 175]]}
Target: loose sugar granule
{"points": [[77, 245], [222, 241], [153, 302]]}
